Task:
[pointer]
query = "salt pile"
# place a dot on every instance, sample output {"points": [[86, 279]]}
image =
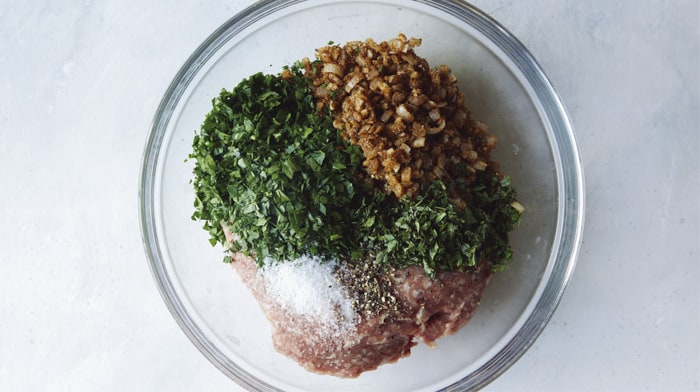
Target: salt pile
{"points": [[308, 287]]}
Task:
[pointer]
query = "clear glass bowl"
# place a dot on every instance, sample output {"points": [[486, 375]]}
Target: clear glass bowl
{"points": [[503, 86]]}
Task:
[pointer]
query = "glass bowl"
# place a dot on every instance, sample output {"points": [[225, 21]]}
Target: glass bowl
{"points": [[503, 86]]}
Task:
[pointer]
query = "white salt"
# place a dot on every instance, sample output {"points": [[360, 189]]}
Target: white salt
{"points": [[308, 288]]}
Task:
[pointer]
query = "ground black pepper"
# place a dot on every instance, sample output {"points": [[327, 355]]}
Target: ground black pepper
{"points": [[369, 286]]}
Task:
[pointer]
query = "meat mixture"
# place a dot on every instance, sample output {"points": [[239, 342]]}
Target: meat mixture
{"points": [[413, 127]]}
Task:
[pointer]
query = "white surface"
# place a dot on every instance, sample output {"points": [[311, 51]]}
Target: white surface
{"points": [[81, 80]]}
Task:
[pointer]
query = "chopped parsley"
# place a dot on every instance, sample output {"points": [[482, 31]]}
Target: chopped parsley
{"points": [[277, 173]]}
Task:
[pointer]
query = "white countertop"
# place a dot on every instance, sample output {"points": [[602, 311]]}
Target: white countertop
{"points": [[80, 82]]}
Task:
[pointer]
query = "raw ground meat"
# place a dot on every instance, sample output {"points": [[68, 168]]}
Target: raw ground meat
{"points": [[428, 309]]}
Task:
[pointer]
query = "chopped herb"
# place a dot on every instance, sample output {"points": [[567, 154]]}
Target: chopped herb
{"points": [[274, 172], [432, 231], [277, 173]]}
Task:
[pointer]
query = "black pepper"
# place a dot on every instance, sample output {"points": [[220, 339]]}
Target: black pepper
{"points": [[368, 282]]}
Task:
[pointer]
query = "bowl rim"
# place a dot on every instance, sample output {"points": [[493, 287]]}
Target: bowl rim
{"points": [[570, 183]]}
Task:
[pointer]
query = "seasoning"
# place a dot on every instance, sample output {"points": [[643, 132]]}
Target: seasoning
{"points": [[307, 287], [372, 290]]}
